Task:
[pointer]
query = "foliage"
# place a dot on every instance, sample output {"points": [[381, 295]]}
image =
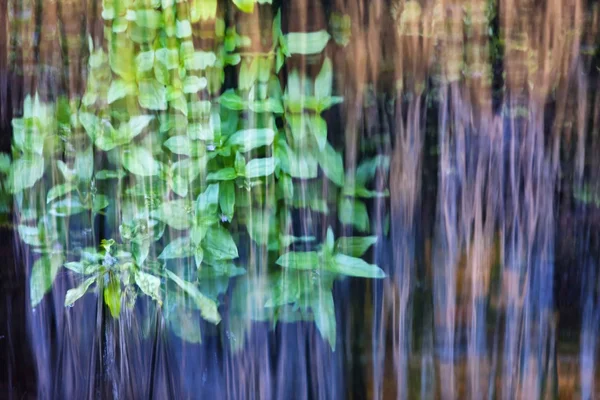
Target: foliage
{"points": [[183, 172]]}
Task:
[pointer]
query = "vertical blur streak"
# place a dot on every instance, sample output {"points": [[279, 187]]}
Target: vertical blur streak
{"points": [[469, 306]]}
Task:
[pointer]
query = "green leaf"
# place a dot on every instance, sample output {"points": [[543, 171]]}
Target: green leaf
{"points": [[367, 169], [174, 213], [323, 308], [183, 323], [227, 199], [193, 84], [76, 293], [260, 167], [354, 246], [246, 6], [58, 191], [43, 273], [203, 10], [220, 269], [24, 173], [152, 95], [140, 250], [354, 213], [27, 136], [303, 260], [198, 257], [66, 207], [229, 99], [208, 308], [108, 174], [67, 173], [306, 43], [353, 266], [136, 125], [332, 164], [318, 127], [179, 145], [200, 131], [112, 296], [179, 103], [219, 243], [250, 139], [223, 174], [180, 247], [248, 74], [149, 284], [183, 29], [199, 60], [148, 19], [84, 164], [167, 57], [324, 80], [208, 202], [119, 89], [139, 161], [144, 61], [329, 240]]}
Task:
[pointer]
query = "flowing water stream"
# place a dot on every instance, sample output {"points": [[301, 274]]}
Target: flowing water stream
{"points": [[477, 123]]}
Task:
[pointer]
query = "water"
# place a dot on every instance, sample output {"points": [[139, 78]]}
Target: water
{"points": [[481, 119]]}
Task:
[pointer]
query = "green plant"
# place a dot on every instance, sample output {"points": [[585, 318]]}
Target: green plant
{"points": [[180, 173]]}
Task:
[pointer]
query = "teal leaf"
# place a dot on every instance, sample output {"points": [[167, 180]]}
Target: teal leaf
{"points": [[324, 80], [354, 213], [227, 199], [353, 266], [323, 308], [25, 172], [223, 174], [76, 293], [109, 174], [84, 164], [355, 246], [178, 248], [59, 191], [30, 235], [174, 213], [208, 202], [219, 243], [260, 167], [208, 308], [43, 273], [332, 164], [149, 285]]}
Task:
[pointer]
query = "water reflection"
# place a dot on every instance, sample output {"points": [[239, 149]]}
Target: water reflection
{"points": [[308, 199]]}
